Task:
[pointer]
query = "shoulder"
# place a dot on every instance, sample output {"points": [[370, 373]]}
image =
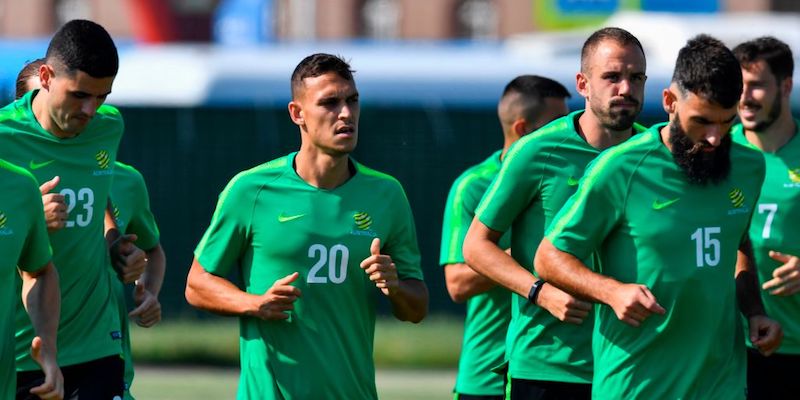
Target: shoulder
{"points": [[108, 117], [14, 111], [126, 170], [476, 178], [380, 183], [546, 139], [251, 180], [747, 158], [627, 155], [15, 176]]}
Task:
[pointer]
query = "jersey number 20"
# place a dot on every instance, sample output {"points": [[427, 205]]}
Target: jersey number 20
{"points": [[334, 258]]}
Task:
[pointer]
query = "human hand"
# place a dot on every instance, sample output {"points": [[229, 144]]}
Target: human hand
{"points": [[766, 334], [53, 386], [280, 298], [55, 209], [148, 309], [633, 303], [380, 269], [562, 305], [786, 278]]}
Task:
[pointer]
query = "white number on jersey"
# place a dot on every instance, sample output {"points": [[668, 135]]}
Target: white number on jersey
{"points": [[335, 259], [85, 196], [770, 209], [707, 247]]}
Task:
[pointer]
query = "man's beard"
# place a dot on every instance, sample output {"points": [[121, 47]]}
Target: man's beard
{"points": [[773, 114], [699, 166], [618, 120]]}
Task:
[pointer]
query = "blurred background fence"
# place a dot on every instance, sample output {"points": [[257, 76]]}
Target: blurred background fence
{"points": [[203, 84]]}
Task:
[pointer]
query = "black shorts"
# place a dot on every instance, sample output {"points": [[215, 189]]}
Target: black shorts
{"points": [[461, 396], [100, 379], [524, 389], [773, 377]]}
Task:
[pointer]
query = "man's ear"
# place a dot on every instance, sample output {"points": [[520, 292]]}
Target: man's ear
{"points": [[45, 76], [582, 84], [296, 113], [669, 101]]}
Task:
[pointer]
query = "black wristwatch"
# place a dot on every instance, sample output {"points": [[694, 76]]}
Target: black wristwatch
{"points": [[535, 289]]}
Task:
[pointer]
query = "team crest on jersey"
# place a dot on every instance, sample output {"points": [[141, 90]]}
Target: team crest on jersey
{"points": [[794, 175], [4, 230], [362, 222], [103, 161], [736, 196]]}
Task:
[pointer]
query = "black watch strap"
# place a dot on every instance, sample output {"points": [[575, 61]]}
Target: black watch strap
{"points": [[535, 289]]}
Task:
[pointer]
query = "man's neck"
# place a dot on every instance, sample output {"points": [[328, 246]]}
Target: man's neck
{"points": [[598, 136], [322, 170], [39, 108], [776, 135]]}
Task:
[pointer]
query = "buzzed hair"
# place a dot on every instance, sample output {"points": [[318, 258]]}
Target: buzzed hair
{"points": [[30, 70], [707, 68], [82, 45], [774, 52], [529, 92], [618, 35], [319, 64]]}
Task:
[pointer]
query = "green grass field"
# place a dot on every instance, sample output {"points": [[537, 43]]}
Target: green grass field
{"points": [[187, 359]]}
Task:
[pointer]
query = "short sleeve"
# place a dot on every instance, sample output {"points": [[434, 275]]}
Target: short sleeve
{"points": [[37, 251], [592, 211], [513, 189], [228, 234], [401, 243], [143, 223]]}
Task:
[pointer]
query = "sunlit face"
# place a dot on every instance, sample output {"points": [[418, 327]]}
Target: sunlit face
{"points": [[613, 85], [704, 122], [72, 98], [554, 107], [762, 95], [700, 137], [327, 111]]}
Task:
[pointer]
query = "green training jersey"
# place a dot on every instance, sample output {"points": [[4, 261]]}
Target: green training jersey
{"points": [[89, 325], [539, 173], [650, 226], [775, 227], [131, 205], [24, 244], [488, 313], [270, 223]]}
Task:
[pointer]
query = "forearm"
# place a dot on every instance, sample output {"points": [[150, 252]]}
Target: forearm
{"points": [[153, 276], [41, 296], [463, 282], [484, 256], [212, 293], [747, 291], [410, 300], [568, 273], [110, 229]]}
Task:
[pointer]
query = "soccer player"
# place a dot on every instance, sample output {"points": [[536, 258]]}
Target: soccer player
{"points": [[767, 125], [131, 209], [312, 233], [528, 102], [25, 247], [63, 130], [549, 358], [667, 213]]}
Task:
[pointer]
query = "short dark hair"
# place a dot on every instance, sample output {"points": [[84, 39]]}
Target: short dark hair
{"points": [[82, 45], [708, 69], [619, 35], [319, 64], [774, 52], [533, 89], [29, 71]]}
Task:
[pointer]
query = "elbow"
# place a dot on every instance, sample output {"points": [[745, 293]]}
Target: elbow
{"points": [[416, 316], [540, 260], [457, 291]]}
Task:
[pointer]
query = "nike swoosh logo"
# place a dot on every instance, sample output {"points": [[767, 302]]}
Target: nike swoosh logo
{"points": [[572, 181], [35, 165], [657, 205], [287, 218]]}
